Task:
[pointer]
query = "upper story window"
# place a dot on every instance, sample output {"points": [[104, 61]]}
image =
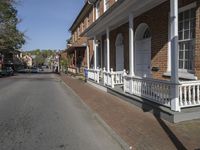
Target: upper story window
{"points": [[97, 10], [88, 21], [106, 5], [84, 25], [78, 32], [91, 17], [75, 36], [187, 25]]}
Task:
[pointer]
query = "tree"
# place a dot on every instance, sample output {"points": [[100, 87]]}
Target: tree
{"points": [[10, 37], [39, 60], [40, 56]]}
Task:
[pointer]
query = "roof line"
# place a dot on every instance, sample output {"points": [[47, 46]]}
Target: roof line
{"points": [[78, 15]]}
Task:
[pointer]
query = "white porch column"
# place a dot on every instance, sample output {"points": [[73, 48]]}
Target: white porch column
{"points": [[169, 47], [131, 45], [174, 55], [95, 53], [88, 57], [101, 54], [108, 49]]}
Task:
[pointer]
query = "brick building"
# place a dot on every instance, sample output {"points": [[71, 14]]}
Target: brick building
{"points": [[149, 48]]}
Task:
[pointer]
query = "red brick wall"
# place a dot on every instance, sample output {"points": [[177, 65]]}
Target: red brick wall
{"points": [[101, 7], [112, 2]]}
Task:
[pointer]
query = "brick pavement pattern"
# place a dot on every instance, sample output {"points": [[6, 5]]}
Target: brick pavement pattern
{"points": [[139, 129]]}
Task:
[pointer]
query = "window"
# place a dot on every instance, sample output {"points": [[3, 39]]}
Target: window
{"points": [[88, 21], [97, 10], [106, 5], [83, 25], [73, 38], [187, 24], [147, 34], [78, 32]]}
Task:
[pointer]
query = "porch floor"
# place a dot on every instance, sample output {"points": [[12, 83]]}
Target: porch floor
{"points": [[149, 106]]}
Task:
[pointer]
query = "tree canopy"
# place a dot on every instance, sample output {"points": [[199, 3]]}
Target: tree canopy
{"points": [[10, 37], [40, 55]]}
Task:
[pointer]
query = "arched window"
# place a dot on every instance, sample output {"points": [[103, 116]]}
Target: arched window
{"points": [[147, 34], [119, 40], [143, 32]]}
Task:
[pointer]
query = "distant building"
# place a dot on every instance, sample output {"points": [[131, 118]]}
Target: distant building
{"points": [[28, 60]]}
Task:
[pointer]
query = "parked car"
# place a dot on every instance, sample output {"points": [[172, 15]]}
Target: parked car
{"points": [[21, 71], [41, 69], [8, 71], [0, 73], [34, 70]]}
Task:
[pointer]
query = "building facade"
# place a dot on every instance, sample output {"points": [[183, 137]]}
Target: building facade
{"points": [[150, 48]]}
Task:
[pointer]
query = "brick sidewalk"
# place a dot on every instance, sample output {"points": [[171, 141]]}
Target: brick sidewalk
{"points": [[139, 129]]}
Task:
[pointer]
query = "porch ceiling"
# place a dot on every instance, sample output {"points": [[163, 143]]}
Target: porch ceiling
{"points": [[118, 15], [72, 48]]}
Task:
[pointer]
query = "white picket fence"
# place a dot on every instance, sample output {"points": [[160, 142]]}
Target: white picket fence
{"points": [[94, 75], [113, 78]]}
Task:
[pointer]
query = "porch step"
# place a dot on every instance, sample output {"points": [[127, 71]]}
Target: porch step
{"points": [[154, 108], [188, 114]]}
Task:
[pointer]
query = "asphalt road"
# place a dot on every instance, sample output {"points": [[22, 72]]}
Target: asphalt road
{"points": [[37, 112]]}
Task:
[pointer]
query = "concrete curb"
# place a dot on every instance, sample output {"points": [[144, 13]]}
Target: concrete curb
{"points": [[111, 132]]}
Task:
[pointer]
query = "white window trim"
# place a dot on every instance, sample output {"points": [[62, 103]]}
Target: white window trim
{"points": [[97, 10], [78, 32], [190, 6], [182, 73], [105, 6]]}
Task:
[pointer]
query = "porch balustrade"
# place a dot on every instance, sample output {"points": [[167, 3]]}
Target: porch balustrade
{"points": [[72, 70], [94, 75], [189, 94], [113, 78], [157, 91]]}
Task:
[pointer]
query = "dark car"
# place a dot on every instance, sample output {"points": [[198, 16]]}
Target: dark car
{"points": [[7, 71], [0, 73], [22, 71], [34, 70]]}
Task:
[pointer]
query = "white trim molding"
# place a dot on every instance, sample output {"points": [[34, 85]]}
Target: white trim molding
{"points": [[190, 6]]}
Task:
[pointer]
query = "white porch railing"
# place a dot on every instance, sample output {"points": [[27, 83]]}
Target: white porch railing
{"points": [[157, 91], [189, 94], [94, 75], [72, 70], [113, 78]]}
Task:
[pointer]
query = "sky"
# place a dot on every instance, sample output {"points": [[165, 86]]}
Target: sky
{"points": [[46, 22]]}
